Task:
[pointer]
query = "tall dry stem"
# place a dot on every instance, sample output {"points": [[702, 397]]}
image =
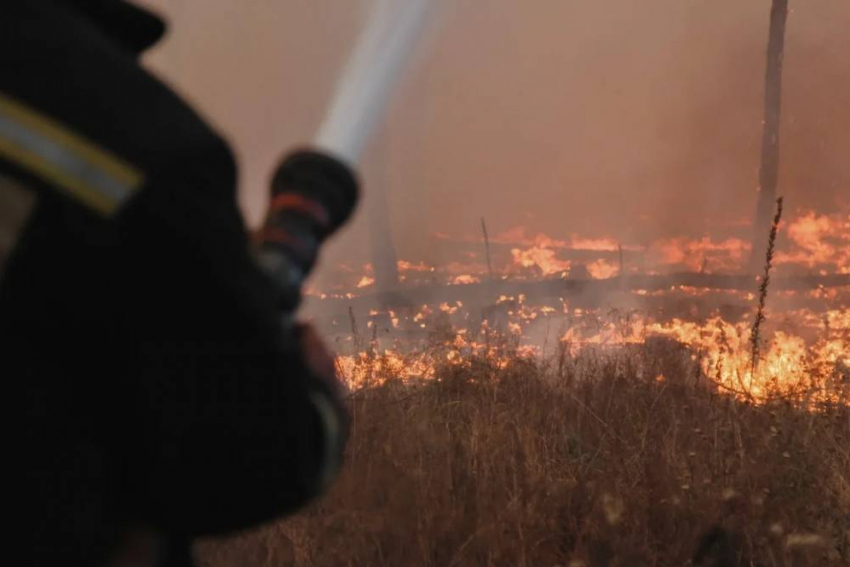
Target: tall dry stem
{"points": [[755, 337]]}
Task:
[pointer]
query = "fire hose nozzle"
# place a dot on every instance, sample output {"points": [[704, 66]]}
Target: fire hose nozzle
{"points": [[312, 196]]}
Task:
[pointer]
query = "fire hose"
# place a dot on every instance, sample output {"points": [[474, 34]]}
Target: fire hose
{"points": [[314, 191]]}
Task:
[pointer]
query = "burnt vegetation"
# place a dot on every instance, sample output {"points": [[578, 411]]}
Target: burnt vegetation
{"points": [[598, 455], [651, 453], [517, 461]]}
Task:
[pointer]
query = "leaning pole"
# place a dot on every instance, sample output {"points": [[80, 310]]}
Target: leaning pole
{"points": [[362, 94], [769, 169]]}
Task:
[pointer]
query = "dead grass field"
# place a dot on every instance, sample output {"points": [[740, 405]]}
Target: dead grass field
{"points": [[535, 464]]}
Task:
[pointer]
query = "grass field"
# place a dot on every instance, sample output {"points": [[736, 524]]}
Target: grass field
{"points": [[628, 457]]}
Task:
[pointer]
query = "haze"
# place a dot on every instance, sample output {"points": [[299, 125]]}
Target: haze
{"points": [[602, 117]]}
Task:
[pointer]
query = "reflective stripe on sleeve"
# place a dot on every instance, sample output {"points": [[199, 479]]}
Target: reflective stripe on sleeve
{"points": [[66, 160]]}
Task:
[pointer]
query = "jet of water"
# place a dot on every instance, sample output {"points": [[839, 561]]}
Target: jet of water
{"points": [[368, 81]]}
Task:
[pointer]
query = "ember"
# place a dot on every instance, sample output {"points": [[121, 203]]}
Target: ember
{"points": [[805, 356]]}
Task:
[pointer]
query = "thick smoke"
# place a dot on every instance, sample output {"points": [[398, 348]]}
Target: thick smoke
{"points": [[630, 119]]}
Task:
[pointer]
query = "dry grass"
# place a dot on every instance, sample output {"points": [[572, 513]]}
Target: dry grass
{"points": [[533, 465], [755, 338]]}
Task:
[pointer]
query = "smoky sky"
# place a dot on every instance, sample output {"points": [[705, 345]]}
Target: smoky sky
{"points": [[634, 119]]}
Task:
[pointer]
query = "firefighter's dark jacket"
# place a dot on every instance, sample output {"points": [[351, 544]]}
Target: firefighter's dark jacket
{"points": [[140, 347]]}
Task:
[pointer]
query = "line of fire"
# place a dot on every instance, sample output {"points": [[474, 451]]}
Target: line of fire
{"points": [[543, 295]]}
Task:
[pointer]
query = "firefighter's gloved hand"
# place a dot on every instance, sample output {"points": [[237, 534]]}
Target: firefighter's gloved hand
{"points": [[327, 398], [317, 357]]}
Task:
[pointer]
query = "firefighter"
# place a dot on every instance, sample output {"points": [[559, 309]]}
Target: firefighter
{"points": [[156, 395]]}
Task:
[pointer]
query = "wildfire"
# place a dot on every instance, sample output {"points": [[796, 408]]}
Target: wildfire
{"points": [[602, 269], [450, 309], [597, 244], [789, 366], [541, 258], [404, 266], [819, 240], [809, 243], [698, 255], [517, 236], [465, 279], [803, 354]]}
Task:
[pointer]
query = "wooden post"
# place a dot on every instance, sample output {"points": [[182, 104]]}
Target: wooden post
{"points": [[487, 247], [384, 256], [769, 170], [622, 271]]}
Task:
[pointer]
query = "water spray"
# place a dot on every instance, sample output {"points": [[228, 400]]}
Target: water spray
{"points": [[314, 191], [370, 76]]}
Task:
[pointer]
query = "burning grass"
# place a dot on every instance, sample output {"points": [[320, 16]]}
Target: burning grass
{"points": [[812, 243], [804, 354], [589, 457], [501, 432]]}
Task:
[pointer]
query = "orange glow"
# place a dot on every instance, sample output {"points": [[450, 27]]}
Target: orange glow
{"points": [[464, 279], [819, 240], [541, 258], [726, 255], [404, 266], [603, 269], [804, 349], [598, 244], [789, 366]]}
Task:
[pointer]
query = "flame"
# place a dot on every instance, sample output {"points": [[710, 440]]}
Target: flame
{"points": [[597, 244], [789, 366], [810, 242], [819, 240], [602, 269], [699, 254], [450, 309], [804, 349], [465, 279], [517, 236], [725, 355], [541, 258], [423, 314], [404, 266]]}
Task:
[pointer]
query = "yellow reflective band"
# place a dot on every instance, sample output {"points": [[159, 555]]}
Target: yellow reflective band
{"points": [[42, 146]]}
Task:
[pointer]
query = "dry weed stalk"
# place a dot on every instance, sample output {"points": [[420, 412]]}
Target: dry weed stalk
{"points": [[507, 464], [755, 338]]}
